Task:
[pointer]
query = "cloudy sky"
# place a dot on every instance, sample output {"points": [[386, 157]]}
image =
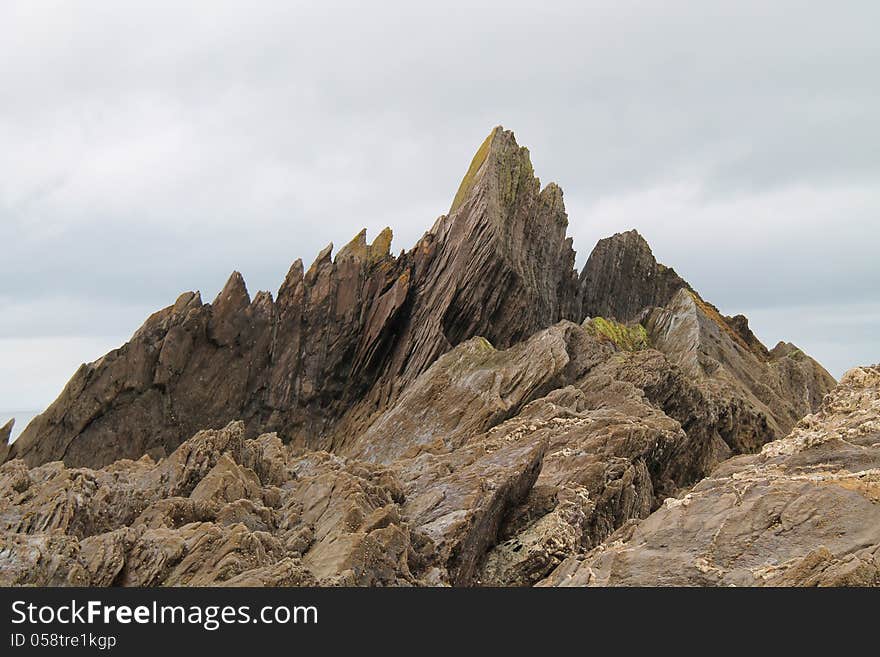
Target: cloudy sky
{"points": [[151, 148]]}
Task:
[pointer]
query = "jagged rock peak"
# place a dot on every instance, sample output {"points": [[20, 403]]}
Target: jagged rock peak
{"points": [[500, 167], [621, 278], [234, 294], [740, 325], [6, 431], [349, 336], [323, 258], [475, 170], [499, 264], [5, 435], [358, 249], [292, 282]]}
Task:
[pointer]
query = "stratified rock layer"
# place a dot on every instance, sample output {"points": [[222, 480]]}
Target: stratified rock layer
{"points": [[341, 340], [622, 278], [5, 435], [495, 467], [803, 512], [470, 412], [220, 510]]}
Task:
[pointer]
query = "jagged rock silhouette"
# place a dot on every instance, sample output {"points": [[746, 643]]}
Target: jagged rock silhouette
{"points": [[472, 411]]}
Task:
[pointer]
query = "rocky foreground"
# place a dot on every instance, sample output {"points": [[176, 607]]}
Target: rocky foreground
{"points": [[471, 412], [519, 503], [803, 512]]}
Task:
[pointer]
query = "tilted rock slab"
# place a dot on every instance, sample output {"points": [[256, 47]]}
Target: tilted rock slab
{"points": [[803, 512], [341, 340], [470, 412]]}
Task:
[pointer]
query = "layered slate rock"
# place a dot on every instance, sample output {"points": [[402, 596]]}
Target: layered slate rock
{"points": [[220, 510], [552, 454], [622, 278], [744, 395], [805, 511], [756, 395], [475, 387], [577, 418], [493, 468], [324, 364], [470, 412], [5, 435], [341, 340]]}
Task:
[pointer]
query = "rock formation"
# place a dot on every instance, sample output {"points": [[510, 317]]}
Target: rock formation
{"points": [[5, 435], [622, 278], [470, 412], [6, 431], [340, 341], [805, 511]]}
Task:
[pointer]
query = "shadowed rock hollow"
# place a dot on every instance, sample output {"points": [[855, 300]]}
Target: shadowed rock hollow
{"points": [[472, 411]]}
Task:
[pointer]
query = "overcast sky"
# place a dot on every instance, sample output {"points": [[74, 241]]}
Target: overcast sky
{"points": [[147, 148]]}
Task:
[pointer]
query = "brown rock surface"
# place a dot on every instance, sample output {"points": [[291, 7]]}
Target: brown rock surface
{"points": [[622, 278], [340, 341], [445, 417], [5, 434], [803, 512], [756, 395], [6, 431], [203, 517]]}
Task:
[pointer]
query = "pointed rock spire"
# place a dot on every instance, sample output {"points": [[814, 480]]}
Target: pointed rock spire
{"points": [[234, 295], [381, 246], [355, 249], [6, 432], [291, 288], [501, 172], [622, 278], [322, 259], [475, 170], [499, 265]]}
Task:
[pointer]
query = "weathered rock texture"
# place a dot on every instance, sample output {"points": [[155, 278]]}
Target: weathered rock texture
{"points": [[471, 412], [219, 510], [622, 278], [5, 434], [340, 341], [805, 511]]}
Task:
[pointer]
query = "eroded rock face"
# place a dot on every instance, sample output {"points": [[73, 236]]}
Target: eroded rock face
{"points": [[474, 387], [470, 412], [220, 510], [622, 278], [507, 501], [803, 512], [757, 395], [342, 339]]}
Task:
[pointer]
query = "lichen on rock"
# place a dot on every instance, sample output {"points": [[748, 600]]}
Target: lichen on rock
{"points": [[628, 338]]}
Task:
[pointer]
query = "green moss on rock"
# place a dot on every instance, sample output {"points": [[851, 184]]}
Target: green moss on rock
{"points": [[381, 246], [470, 178], [628, 338]]}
